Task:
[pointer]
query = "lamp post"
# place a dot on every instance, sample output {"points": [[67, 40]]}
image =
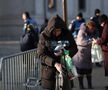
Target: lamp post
{"points": [[64, 8], [44, 4]]}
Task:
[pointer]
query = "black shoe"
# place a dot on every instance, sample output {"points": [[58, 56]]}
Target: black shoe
{"points": [[106, 87], [82, 88]]}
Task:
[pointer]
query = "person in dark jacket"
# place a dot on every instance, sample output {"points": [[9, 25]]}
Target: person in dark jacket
{"points": [[95, 18], [28, 20], [103, 41], [29, 39], [55, 32], [74, 26]]}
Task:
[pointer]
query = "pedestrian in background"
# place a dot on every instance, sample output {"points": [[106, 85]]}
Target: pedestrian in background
{"points": [[29, 39], [95, 18], [55, 32], [82, 59], [74, 26], [28, 20]]}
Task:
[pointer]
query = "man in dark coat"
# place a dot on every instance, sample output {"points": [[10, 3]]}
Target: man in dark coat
{"points": [[95, 19], [104, 40], [55, 32]]}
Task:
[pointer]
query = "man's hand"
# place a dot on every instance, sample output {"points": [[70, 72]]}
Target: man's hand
{"points": [[58, 66], [94, 41]]}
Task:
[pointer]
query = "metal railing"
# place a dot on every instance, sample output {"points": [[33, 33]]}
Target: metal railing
{"points": [[20, 71]]}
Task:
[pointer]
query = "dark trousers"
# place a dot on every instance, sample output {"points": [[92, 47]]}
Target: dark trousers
{"points": [[83, 72]]}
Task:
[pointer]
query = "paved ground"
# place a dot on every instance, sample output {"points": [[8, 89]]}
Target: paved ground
{"points": [[9, 47], [99, 80]]}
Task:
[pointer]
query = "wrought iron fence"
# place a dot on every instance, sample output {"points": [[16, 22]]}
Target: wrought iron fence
{"points": [[20, 71]]}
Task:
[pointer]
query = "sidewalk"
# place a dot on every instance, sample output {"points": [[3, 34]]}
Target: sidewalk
{"points": [[98, 79], [9, 47]]}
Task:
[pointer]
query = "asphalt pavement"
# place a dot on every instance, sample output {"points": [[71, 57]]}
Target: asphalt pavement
{"points": [[9, 47], [100, 82]]}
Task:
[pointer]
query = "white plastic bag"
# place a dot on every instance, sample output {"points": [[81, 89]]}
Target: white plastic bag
{"points": [[96, 53]]}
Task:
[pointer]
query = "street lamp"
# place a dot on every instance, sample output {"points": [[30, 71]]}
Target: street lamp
{"points": [[64, 8]]}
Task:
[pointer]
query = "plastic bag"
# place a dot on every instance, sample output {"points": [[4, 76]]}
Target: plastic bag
{"points": [[96, 53], [72, 72], [71, 67]]}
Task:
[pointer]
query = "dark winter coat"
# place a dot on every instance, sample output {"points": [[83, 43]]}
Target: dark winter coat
{"points": [[29, 39], [46, 46], [95, 19], [104, 43]]}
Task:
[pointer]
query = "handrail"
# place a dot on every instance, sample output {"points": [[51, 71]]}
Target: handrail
{"points": [[20, 71]]}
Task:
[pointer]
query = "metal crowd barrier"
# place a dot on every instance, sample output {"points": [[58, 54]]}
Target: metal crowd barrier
{"points": [[20, 71]]}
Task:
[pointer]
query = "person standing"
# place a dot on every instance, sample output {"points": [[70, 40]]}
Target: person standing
{"points": [[103, 41], [95, 18], [29, 39], [55, 32], [74, 26], [82, 59]]}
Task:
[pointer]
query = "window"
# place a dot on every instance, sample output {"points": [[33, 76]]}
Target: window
{"points": [[81, 5]]}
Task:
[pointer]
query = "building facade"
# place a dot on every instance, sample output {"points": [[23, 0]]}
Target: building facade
{"points": [[10, 13]]}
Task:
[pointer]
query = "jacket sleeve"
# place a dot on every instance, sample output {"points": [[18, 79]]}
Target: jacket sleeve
{"points": [[45, 59], [104, 38], [82, 38], [72, 47], [105, 35], [72, 26]]}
